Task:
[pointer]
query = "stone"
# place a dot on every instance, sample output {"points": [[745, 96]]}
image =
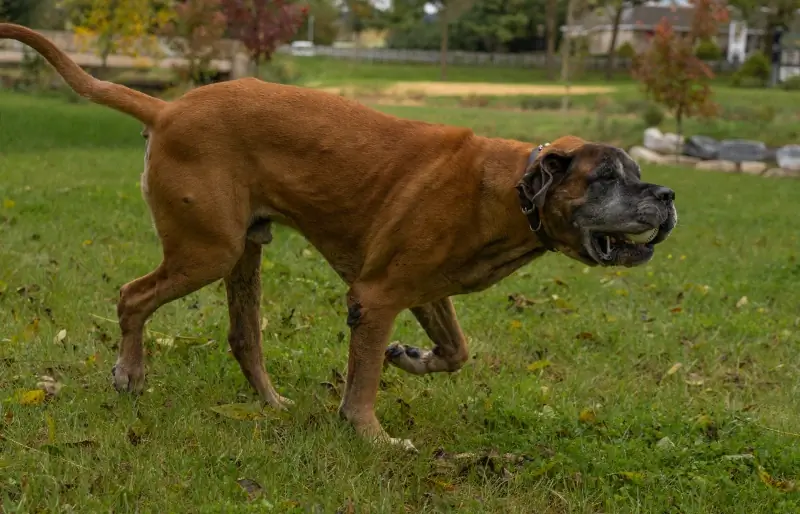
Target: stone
{"points": [[740, 150], [717, 165], [662, 143], [701, 147], [641, 154], [780, 172], [753, 167], [687, 160], [788, 157]]}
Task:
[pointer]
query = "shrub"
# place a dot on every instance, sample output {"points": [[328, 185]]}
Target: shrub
{"points": [[754, 72], [708, 50], [791, 83], [626, 50], [533, 103], [652, 115], [473, 100]]}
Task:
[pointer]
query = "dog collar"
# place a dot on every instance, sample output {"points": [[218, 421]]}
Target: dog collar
{"points": [[529, 209]]}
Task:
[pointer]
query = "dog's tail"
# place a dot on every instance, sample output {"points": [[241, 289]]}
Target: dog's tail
{"points": [[143, 107]]}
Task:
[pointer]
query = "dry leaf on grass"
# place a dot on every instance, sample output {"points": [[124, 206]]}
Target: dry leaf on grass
{"points": [[781, 485], [240, 411], [587, 416], [538, 365], [251, 487], [49, 385], [34, 397]]}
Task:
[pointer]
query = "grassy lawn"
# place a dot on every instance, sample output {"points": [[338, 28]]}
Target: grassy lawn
{"points": [[667, 388]]}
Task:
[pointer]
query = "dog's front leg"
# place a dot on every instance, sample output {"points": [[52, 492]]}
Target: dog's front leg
{"points": [[370, 324], [450, 347]]}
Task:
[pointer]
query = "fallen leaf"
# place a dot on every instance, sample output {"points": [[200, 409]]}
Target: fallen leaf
{"points": [[587, 416], [49, 385], [676, 310], [240, 411], [8, 203], [137, 431], [585, 336], [665, 443], [694, 380], [87, 242], [632, 476], [61, 336], [516, 324], [559, 282], [31, 329], [264, 323], [781, 485], [307, 252], [742, 302], [35, 397], [251, 487], [674, 369], [537, 365]]}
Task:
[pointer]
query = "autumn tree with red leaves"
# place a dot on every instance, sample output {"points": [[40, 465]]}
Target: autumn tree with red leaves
{"points": [[194, 32], [670, 72], [263, 25]]}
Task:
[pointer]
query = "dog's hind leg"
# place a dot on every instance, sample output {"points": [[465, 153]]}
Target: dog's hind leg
{"points": [[244, 295], [450, 347], [202, 241]]}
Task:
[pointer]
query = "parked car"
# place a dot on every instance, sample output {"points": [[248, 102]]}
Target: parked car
{"points": [[303, 48]]}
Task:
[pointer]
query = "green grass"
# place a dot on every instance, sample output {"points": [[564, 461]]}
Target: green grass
{"points": [[73, 228]]}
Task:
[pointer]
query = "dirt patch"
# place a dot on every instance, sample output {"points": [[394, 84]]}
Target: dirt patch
{"points": [[485, 88]]}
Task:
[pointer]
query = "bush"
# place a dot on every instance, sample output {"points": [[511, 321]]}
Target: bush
{"points": [[280, 72], [626, 50], [708, 50], [652, 115], [754, 72], [533, 103], [791, 83]]}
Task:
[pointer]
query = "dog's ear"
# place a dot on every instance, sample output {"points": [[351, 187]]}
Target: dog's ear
{"points": [[543, 173]]}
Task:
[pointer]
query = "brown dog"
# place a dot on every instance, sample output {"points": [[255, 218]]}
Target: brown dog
{"points": [[407, 213]]}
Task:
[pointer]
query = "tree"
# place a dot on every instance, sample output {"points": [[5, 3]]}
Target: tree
{"points": [[616, 7], [551, 17], [263, 25], [776, 14], [448, 11], [194, 31], [670, 72], [117, 26]]}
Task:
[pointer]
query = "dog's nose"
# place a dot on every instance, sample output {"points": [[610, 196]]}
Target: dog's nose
{"points": [[664, 194]]}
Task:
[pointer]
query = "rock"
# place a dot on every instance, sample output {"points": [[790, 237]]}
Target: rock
{"points": [[687, 160], [740, 150], [788, 157], [701, 147], [780, 172], [725, 166], [753, 167], [662, 143], [642, 154]]}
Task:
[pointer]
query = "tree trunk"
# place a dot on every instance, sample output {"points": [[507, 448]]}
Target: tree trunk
{"points": [[551, 15], [612, 50], [443, 46], [565, 55], [679, 128]]}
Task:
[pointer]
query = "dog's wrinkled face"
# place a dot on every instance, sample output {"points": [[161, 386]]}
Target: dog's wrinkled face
{"points": [[597, 208]]}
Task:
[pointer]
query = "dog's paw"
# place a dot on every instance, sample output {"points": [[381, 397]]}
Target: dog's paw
{"points": [[409, 358], [127, 379]]}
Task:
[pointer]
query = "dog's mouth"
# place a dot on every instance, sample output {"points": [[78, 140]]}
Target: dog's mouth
{"points": [[620, 249]]}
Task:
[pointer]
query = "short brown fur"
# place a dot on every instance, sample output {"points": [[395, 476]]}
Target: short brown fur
{"points": [[407, 213]]}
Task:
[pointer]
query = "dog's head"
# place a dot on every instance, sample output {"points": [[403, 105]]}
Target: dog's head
{"points": [[593, 205]]}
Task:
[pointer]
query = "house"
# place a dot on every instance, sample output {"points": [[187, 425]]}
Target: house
{"points": [[637, 25]]}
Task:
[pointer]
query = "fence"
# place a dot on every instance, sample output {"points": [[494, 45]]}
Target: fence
{"points": [[69, 43], [518, 60]]}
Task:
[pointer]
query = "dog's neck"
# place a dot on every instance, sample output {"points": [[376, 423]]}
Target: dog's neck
{"points": [[505, 164]]}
